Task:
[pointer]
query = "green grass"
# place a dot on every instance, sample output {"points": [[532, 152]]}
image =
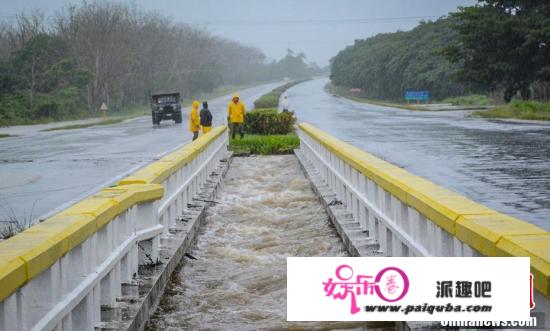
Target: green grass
{"points": [[108, 121], [11, 228], [264, 145], [129, 112], [269, 122], [524, 110], [223, 90], [269, 100], [387, 103], [470, 100], [32, 121], [126, 112], [11, 224]]}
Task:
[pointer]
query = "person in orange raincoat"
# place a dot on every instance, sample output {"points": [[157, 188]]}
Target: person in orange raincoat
{"points": [[194, 121], [235, 115]]}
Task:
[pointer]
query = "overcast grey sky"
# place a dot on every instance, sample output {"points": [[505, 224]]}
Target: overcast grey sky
{"points": [[319, 28]]}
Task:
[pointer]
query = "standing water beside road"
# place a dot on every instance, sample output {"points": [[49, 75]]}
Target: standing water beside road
{"points": [[505, 166], [267, 212]]}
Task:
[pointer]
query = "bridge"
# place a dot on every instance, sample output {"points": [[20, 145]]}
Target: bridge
{"points": [[105, 262]]}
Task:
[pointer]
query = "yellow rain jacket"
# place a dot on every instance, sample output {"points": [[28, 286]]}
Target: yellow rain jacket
{"points": [[194, 121], [235, 111]]}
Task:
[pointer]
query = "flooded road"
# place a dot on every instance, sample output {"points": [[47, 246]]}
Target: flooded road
{"points": [[40, 171], [238, 282], [505, 166]]}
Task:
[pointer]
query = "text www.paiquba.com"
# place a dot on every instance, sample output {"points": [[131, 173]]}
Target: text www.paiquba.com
{"points": [[426, 308]]}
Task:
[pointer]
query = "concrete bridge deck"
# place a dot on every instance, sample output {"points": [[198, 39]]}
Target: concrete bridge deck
{"points": [[105, 261]]}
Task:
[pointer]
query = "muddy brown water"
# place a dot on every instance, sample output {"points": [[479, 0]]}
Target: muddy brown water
{"points": [[238, 282]]}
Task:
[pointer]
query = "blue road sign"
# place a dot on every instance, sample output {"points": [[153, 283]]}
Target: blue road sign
{"points": [[417, 95]]}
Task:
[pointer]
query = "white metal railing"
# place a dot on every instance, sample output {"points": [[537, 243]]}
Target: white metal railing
{"points": [[399, 228], [59, 273], [182, 185], [68, 294]]}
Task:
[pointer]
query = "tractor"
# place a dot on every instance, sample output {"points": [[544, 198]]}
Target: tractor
{"points": [[165, 106]]}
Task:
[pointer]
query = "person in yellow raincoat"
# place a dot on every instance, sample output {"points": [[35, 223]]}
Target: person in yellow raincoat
{"points": [[194, 121], [235, 115]]}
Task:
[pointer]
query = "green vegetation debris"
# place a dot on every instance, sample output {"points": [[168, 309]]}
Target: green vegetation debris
{"points": [[470, 100], [271, 99], [87, 125], [525, 110], [264, 144], [269, 121]]}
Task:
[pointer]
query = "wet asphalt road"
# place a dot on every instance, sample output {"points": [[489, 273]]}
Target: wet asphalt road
{"points": [[42, 171], [505, 166]]}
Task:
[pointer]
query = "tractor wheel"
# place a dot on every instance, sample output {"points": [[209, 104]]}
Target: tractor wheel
{"points": [[156, 120]]}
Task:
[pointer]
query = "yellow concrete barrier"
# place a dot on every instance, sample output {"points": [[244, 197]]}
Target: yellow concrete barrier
{"points": [[32, 251], [537, 247], [29, 253], [483, 232], [12, 273], [157, 172], [487, 231]]}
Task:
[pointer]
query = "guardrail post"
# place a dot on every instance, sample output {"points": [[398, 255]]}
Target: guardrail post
{"points": [[33, 301], [147, 217], [108, 288], [10, 314]]}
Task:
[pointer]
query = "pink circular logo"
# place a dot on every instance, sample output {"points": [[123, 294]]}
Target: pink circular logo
{"points": [[392, 284]]}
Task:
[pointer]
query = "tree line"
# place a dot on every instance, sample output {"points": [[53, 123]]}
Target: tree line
{"points": [[498, 47], [68, 65], [388, 64]]}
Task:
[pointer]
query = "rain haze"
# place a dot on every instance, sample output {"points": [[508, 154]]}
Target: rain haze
{"points": [[318, 28], [163, 161]]}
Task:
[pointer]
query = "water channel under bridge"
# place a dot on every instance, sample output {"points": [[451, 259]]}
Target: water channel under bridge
{"points": [[265, 212], [114, 259]]}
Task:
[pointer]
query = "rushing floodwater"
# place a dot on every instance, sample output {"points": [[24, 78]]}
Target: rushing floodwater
{"points": [[505, 166], [238, 282]]}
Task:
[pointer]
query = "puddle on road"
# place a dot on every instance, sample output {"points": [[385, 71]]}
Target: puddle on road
{"points": [[238, 282], [16, 161]]}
